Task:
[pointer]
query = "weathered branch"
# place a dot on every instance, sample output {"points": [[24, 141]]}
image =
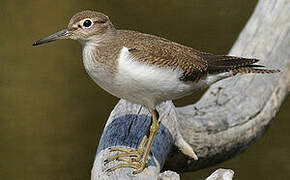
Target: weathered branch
{"points": [[231, 115]]}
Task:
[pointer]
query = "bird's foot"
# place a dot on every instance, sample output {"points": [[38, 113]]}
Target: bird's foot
{"points": [[138, 166], [131, 157], [137, 157]]}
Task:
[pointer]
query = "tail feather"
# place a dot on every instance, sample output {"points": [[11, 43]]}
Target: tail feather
{"points": [[219, 64], [231, 61], [247, 70]]}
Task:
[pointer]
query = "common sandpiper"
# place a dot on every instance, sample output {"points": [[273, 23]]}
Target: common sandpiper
{"points": [[146, 70]]}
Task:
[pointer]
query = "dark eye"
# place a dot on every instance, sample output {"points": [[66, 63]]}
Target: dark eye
{"points": [[87, 23]]}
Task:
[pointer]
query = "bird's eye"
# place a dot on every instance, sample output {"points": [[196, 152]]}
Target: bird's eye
{"points": [[87, 23]]}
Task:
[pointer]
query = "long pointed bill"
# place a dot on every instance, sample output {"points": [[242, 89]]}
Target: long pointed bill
{"points": [[63, 34]]}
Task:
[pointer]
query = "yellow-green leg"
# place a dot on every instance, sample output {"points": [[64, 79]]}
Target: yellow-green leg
{"points": [[138, 157]]}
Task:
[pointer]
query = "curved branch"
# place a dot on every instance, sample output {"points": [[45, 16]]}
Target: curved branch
{"points": [[231, 115]]}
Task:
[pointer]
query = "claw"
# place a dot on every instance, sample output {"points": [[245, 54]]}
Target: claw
{"points": [[106, 161]]}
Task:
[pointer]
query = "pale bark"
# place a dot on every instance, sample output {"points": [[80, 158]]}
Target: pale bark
{"points": [[229, 117]]}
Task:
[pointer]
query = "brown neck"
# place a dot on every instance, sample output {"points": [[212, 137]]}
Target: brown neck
{"points": [[107, 50]]}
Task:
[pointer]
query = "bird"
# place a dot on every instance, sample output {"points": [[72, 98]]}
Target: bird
{"points": [[146, 70]]}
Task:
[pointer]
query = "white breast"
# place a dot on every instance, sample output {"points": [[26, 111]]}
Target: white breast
{"points": [[97, 71]]}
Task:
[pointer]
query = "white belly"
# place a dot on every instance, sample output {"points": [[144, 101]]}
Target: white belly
{"points": [[149, 85]]}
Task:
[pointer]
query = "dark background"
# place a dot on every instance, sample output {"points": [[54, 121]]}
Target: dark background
{"points": [[52, 114]]}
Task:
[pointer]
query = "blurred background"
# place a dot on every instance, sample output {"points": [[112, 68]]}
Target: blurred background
{"points": [[52, 114]]}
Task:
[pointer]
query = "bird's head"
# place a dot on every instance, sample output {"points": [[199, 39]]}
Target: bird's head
{"points": [[83, 26]]}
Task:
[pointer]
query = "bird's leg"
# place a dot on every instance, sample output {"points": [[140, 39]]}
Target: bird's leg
{"points": [[153, 131], [139, 156]]}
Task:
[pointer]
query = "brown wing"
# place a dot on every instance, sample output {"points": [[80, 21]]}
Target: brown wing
{"points": [[195, 64], [162, 52]]}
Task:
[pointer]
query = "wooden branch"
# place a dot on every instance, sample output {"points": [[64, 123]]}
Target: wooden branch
{"points": [[231, 115], [221, 174]]}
